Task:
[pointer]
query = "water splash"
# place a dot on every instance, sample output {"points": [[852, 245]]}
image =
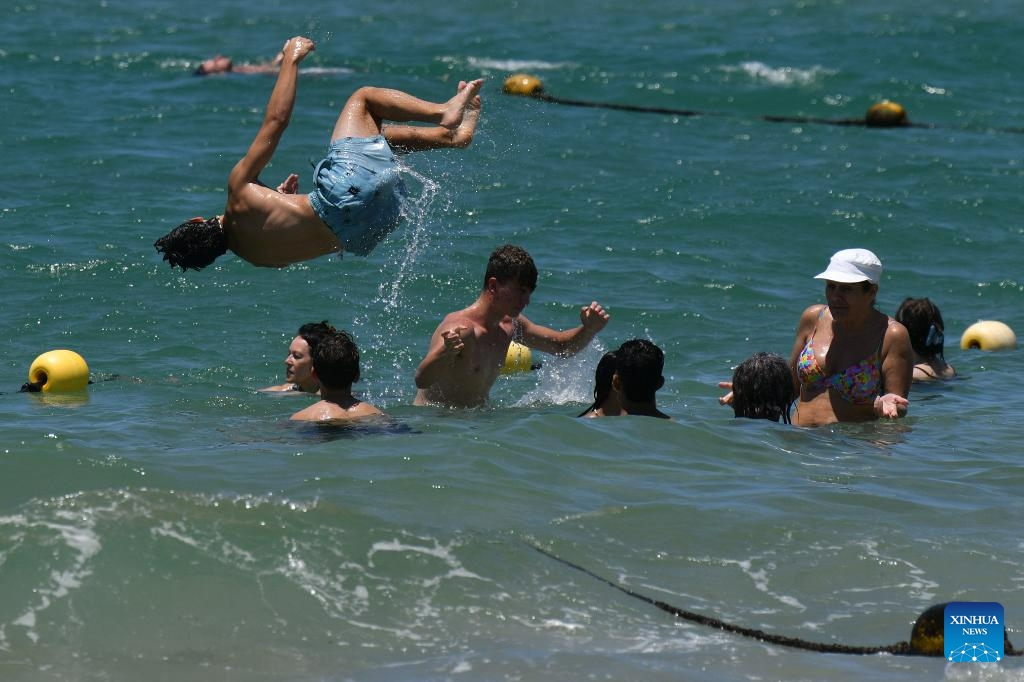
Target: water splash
{"points": [[392, 297], [415, 212]]}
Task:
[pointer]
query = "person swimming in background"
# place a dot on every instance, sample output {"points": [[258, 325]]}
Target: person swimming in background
{"points": [[222, 64], [298, 364], [606, 401], [336, 368], [761, 388], [850, 362], [358, 193], [924, 323]]}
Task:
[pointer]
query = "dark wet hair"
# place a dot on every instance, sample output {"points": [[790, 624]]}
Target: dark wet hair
{"points": [[312, 332], [923, 321], [762, 388], [602, 381], [193, 244], [639, 364], [508, 263], [336, 360]]}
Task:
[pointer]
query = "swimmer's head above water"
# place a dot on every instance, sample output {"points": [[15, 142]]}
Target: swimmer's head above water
{"points": [[218, 64], [194, 244]]}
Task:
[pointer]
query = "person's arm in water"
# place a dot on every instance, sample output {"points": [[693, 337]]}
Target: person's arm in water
{"points": [[276, 119], [266, 67]]}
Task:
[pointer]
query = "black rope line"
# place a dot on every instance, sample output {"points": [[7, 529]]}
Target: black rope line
{"points": [[898, 649], [861, 122], [32, 386]]}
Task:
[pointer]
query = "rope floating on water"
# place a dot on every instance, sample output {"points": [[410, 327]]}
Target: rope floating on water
{"points": [[884, 114], [926, 638]]}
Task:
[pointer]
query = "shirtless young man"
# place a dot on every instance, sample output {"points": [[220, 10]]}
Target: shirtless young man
{"points": [[336, 367], [468, 348], [358, 192]]}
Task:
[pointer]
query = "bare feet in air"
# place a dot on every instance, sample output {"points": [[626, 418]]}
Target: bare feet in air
{"points": [[290, 185], [455, 108], [462, 135]]}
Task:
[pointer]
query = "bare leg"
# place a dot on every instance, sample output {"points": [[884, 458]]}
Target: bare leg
{"points": [[368, 107], [415, 138]]}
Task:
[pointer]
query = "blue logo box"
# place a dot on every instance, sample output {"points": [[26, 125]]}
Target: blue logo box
{"points": [[973, 632]]}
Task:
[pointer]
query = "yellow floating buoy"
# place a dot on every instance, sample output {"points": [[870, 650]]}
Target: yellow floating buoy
{"points": [[59, 371], [927, 635], [988, 335], [523, 84], [886, 114], [517, 359]]}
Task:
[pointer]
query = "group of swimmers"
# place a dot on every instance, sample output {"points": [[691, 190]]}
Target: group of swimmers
{"points": [[468, 348], [466, 353], [849, 361]]}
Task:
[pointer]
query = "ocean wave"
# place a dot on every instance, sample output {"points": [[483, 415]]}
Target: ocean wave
{"points": [[785, 76], [517, 64]]}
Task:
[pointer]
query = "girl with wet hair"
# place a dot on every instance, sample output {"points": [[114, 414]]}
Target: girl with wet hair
{"points": [[924, 323], [762, 388]]}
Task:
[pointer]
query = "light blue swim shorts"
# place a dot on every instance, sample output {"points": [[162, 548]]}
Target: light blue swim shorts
{"points": [[358, 192]]}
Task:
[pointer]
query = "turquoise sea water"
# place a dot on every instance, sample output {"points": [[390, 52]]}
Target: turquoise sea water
{"points": [[170, 524]]}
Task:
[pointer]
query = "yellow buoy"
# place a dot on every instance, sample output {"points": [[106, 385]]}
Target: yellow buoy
{"points": [[927, 635], [523, 84], [886, 114], [59, 371], [517, 359], [988, 335]]}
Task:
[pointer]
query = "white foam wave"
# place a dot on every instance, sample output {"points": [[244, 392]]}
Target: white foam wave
{"points": [[779, 75], [79, 535], [516, 64], [324, 70]]}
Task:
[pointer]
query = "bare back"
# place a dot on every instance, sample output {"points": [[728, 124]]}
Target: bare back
{"points": [[266, 227], [330, 411], [273, 229]]}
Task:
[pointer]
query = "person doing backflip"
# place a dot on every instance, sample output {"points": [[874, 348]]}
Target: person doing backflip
{"points": [[358, 192]]}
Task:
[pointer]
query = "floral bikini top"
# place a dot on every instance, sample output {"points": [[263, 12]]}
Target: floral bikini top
{"points": [[858, 384]]}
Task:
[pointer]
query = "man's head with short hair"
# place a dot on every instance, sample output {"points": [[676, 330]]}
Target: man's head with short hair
{"points": [[511, 263], [762, 388], [336, 360], [639, 364], [194, 244]]}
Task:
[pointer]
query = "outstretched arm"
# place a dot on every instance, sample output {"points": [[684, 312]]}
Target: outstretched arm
{"points": [[278, 114], [593, 319]]}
